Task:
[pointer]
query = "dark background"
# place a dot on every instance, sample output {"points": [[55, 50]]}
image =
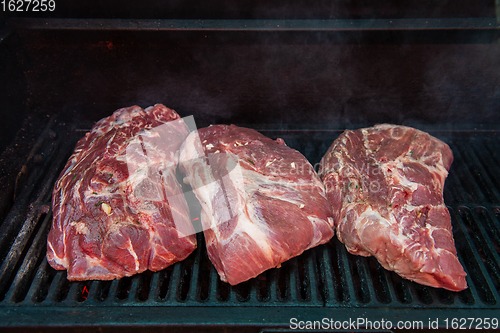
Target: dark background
{"points": [[431, 79], [272, 79]]}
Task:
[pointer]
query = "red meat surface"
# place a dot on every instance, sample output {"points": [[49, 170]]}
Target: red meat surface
{"points": [[386, 187], [117, 206], [262, 202]]}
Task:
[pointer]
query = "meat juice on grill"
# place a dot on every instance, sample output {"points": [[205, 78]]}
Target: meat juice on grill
{"points": [[386, 187], [118, 208], [262, 202]]}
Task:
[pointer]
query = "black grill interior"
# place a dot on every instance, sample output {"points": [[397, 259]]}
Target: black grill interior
{"points": [[324, 277]]}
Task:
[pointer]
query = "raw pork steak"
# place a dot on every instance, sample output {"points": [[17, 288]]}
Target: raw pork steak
{"points": [[262, 203], [118, 208], [386, 186]]}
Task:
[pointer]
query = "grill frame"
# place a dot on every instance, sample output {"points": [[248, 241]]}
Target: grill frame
{"points": [[471, 193]]}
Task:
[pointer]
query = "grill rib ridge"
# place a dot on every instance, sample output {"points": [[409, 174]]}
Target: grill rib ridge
{"points": [[480, 175], [482, 282], [483, 244], [32, 260]]}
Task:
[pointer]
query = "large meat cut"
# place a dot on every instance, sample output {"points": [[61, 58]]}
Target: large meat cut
{"points": [[262, 202], [118, 207], [386, 186]]}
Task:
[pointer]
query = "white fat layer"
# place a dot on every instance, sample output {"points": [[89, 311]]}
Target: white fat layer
{"points": [[241, 179], [191, 148], [410, 207], [270, 162], [61, 261], [406, 183], [374, 215], [316, 220], [93, 262], [245, 183], [254, 231], [130, 249], [254, 182], [438, 169], [81, 228]]}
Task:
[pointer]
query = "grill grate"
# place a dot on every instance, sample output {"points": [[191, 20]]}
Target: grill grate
{"points": [[322, 278]]}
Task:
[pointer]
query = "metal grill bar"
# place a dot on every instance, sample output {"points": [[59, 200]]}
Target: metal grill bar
{"points": [[489, 186], [33, 258], [399, 288], [38, 185], [476, 270], [483, 244]]}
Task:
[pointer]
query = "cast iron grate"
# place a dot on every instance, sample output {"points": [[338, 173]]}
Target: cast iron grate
{"points": [[326, 276]]}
